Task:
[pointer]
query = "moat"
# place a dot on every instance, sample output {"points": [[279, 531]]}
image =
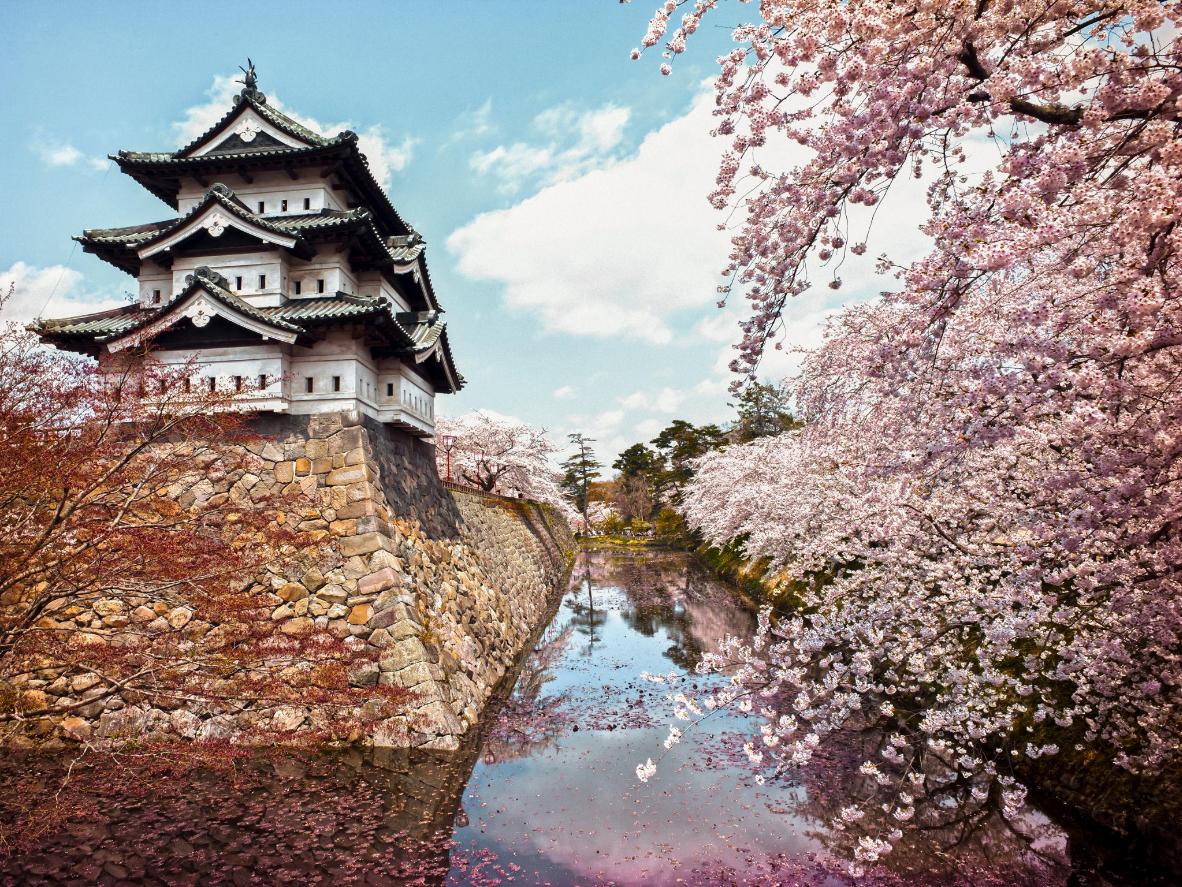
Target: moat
{"points": [[547, 792]]}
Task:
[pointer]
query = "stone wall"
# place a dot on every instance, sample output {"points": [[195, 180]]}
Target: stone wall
{"points": [[449, 587]]}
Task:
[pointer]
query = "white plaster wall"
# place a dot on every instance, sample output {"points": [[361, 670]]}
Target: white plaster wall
{"points": [[248, 266], [155, 277], [373, 284], [271, 187], [224, 364], [331, 267]]}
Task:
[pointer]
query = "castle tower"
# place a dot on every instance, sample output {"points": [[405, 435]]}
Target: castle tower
{"points": [[286, 274]]}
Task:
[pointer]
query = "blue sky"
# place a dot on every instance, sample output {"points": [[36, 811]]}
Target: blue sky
{"points": [[561, 187]]}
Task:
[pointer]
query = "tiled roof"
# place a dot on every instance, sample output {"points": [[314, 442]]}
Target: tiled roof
{"points": [[220, 194], [342, 306], [258, 103], [419, 333], [160, 171], [97, 326]]}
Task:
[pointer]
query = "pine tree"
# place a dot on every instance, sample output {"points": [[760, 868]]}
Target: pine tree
{"points": [[579, 471]]}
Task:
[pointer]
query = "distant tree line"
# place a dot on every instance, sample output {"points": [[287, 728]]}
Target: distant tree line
{"points": [[651, 476]]}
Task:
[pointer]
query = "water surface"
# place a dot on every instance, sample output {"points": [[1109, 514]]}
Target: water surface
{"points": [[546, 792]]}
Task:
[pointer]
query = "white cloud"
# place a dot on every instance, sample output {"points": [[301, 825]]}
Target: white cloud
{"points": [[615, 251], [385, 156], [61, 154], [573, 143], [566, 391], [667, 400], [53, 291], [474, 124], [512, 164]]}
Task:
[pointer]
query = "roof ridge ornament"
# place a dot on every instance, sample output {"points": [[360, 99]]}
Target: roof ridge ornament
{"points": [[206, 274], [250, 85]]}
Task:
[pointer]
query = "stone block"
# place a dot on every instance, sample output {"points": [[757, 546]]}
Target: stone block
{"points": [[303, 466], [344, 528], [358, 491], [379, 581], [345, 440], [298, 626], [292, 591], [313, 580], [365, 675], [76, 728], [360, 614], [333, 594], [354, 510], [284, 472], [322, 465], [316, 449], [366, 543], [436, 718], [350, 474], [402, 654], [355, 456]]}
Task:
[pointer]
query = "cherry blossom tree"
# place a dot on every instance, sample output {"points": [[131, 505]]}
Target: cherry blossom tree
{"points": [[498, 454], [983, 502], [133, 599]]}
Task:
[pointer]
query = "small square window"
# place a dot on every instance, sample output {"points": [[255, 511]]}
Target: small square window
{"points": [[262, 206], [262, 281], [307, 203], [336, 383], [320, 285], [155, 297], [237, 383], [283, 206], [262, 381], [308, 384], [389, 389], [212, 384], [188, 385], [297, 287]]}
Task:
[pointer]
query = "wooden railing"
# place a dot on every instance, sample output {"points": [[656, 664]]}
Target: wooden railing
{"points": [[465, 488]]}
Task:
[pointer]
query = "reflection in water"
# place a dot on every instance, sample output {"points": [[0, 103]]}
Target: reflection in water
{"points": [[547, 792]]}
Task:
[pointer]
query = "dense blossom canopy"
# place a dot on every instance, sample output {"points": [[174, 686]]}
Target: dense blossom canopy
{"points": [[984, 498], [499, 454]]}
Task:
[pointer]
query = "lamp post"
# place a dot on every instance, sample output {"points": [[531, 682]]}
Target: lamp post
{"points": [[448, 441]]}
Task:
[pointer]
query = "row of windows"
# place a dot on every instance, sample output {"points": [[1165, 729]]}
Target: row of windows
{"points": [[421, 404], [210, 383], [283, 205], [297, 287]]}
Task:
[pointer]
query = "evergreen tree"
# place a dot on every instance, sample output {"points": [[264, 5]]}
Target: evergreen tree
{"points": [[579, 471], [678, 445], [638, 461], [763, 411]]}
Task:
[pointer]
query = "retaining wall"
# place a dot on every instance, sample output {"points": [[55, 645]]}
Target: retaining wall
{"points": [[448, 586]]}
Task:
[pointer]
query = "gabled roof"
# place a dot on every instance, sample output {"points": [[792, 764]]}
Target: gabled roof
{"points": [[420, 337], [253, 100], [160, 171], [206, 216], [206, 294], [126, 247]]}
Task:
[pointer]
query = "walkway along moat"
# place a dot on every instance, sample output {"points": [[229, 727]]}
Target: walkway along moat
{"points": [[547, 792]]}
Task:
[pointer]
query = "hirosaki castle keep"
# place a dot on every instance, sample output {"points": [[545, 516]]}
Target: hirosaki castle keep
{"points": [[286, 274]]}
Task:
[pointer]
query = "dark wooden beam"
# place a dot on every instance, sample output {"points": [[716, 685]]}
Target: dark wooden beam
{"points": [[246, 177], [292, 173]]}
